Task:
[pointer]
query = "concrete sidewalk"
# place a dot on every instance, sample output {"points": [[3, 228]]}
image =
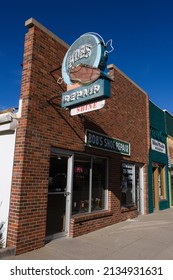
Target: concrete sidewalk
{"points": [[148, 237]]}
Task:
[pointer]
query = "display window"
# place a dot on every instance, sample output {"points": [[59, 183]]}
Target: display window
{"points": [[130, 185], [89, 184], [159, 183]]}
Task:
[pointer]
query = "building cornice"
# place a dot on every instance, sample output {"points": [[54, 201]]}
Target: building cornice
{"points": [[32, 22], [112, 66]]}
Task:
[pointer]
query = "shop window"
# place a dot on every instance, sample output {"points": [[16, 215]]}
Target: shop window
{"points": [[161, 182], [89, 184], [98, 184], [130, 185]]}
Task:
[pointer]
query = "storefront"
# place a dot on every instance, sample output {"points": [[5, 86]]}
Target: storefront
{"points": [[78, 190], [77, 185], [169, 128], [158, 161], [69, 167]]}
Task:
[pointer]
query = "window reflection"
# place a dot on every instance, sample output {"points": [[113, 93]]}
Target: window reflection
{"points": [[126, 184], [98, 183], [81, 184], [89, 184], [58, 174], [130, 185]]}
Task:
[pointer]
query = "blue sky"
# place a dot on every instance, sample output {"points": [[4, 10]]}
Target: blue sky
{"points": [[142, 34]]}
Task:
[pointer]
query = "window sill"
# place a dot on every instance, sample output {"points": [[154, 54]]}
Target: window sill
{"points": [[128, 208], [91, 216]]}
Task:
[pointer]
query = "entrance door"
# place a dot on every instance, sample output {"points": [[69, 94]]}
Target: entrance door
{"points": [[139, 187], [138, 190], [58, 190], [155, 188]]}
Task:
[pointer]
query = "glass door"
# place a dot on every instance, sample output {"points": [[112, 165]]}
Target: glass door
{"points": [[138, 189], [57, 197], [153, 185]]}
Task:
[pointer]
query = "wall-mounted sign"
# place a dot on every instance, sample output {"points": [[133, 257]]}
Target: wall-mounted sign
{"points": [[103, 142], [84, 65], [98, 90], [87, 108], [158, 146], [88, 50]]}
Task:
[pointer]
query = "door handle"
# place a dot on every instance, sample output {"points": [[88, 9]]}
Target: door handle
{"points": [[66, 193]]}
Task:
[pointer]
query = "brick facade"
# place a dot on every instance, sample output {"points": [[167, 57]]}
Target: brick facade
{"points": [[42, 126]]}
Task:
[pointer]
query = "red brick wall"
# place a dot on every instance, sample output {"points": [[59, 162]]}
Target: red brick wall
{"points": [[125, 116]]}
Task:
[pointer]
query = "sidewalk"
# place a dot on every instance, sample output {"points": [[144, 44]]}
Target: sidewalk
{"points": [[148, 237]]}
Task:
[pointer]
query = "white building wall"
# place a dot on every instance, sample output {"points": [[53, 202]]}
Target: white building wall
{"points": [[7, 146]]}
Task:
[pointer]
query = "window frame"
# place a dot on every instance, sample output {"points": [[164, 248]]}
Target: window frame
{"points": [[105, 203], [134, 197]]}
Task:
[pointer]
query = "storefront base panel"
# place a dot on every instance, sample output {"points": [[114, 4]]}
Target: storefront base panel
{"points": [[81, 225], [84, 224], [164, 204], [87, 223], [128, 214]]}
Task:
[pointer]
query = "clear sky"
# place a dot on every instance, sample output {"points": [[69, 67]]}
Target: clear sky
{"points": [[141, 30]]}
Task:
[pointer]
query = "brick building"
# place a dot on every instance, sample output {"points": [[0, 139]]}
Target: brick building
{"points": [[61, 185]]}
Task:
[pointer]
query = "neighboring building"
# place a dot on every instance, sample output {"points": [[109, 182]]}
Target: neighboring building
{"points": [[8, 125], [158, 190], [74, 174], [169, 129]]}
